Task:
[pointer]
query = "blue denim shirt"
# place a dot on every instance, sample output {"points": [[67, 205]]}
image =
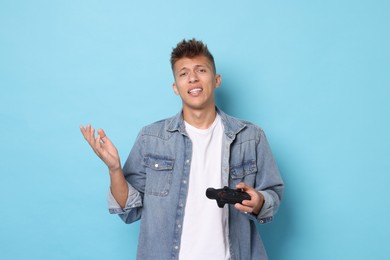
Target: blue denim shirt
{"points": [[158, 169]]}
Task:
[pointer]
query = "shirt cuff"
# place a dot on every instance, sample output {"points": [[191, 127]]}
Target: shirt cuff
{"points": [[134, 200], [267, 211]]}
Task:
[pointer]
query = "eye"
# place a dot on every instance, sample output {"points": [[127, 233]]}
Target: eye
{"points": [[182, 74], [202, 70]]}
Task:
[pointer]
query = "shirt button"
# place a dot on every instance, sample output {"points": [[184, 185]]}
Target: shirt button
{"points": [[188, 161], [185, 182], [156, 165], [179, 226], [176, 247]]}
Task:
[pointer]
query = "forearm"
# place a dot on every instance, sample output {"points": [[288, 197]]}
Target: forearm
{"points": [[119, 187]]}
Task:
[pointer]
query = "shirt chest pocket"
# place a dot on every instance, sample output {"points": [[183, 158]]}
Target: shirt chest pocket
{"points": [[158, 174], [244, 172]]}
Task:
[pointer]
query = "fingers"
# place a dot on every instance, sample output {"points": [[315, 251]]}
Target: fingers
{"points": [[89, 135], [254, 204], [97, 144], [242, 208], [82, 129], [94, 141], [87, 132], [102, 134], [246, 206], [102, 146], [242, 186], [104, 139]]}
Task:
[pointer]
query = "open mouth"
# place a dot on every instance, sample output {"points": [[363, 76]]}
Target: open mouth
{"points": [[195, 91]]}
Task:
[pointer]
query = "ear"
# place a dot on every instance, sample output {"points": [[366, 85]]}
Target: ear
{"points": [[218, 80], [175, 88]]}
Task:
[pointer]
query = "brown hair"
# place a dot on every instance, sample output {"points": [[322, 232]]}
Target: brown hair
{"points": [[191, 49]]}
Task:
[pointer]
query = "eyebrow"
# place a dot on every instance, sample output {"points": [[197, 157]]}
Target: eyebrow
{"points": [[196, 66]]}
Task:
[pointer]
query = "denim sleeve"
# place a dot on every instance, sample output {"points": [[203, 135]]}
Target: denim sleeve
{"points": [[268, 181], [134, 173], [134, 200], [267, 211]]}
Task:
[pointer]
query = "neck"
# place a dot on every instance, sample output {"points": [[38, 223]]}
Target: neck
{"points": [[201, 119]]}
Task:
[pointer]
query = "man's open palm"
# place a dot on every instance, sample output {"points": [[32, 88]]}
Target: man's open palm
{"points": [[102, 146]]}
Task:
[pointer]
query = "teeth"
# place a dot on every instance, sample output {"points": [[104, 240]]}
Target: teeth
{"points": [[195, 90]]}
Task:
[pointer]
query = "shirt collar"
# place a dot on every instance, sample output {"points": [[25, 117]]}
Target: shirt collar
{"points": [[232, 125]]}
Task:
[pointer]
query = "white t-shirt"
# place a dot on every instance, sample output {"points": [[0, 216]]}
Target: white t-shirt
{"points": [[205, 225]]}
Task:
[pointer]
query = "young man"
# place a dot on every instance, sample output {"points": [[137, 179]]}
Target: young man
{"points": [[174, 161]]}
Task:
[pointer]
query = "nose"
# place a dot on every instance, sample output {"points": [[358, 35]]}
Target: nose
{"points": [[192, 77]]}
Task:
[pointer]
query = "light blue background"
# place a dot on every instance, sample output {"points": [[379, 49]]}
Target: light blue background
{"points": [[313, 74]]}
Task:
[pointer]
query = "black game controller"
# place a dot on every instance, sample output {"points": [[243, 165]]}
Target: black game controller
{"points": [[227, 195]]}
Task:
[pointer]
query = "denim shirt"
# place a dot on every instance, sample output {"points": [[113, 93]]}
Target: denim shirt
{"points": [[157, 171]]}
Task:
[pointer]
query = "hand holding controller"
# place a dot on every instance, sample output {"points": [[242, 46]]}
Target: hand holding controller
{"points": [[227, 195]]}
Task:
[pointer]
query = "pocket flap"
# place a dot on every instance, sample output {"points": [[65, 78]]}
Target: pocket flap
{"points": [[158, 162], [241, 170]]}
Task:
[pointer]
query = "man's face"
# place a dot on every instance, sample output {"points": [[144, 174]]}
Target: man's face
{"points": [[195, 82]]}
